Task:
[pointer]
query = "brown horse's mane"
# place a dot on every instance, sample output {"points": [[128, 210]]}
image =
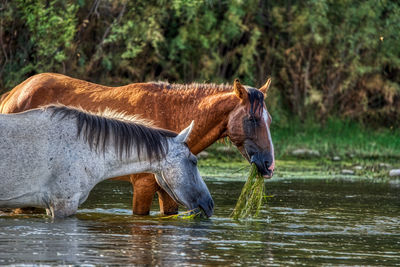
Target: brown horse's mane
{"points": [[256, 98], [126, 131], [207, 88]]}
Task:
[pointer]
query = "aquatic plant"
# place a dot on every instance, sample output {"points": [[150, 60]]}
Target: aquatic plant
{"points": [[252, 196], [187, 215]]}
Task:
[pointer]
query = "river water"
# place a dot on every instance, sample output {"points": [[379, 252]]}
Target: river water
{"points": [[309, 222]]}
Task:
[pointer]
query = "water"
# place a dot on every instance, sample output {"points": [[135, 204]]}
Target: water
{"points": [[310, 222]]}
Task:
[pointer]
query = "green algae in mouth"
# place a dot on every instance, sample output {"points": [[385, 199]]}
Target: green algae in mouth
{"points": [[252, 196]]}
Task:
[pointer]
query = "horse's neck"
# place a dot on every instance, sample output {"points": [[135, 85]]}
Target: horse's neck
{"points": [[176, 109], [115, 167], [211, 115], [110, 164]]}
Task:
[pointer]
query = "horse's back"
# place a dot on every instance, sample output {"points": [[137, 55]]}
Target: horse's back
{"points": [[20, 97], [22, 132], [43, 89], [23, 144], [4, 96]]}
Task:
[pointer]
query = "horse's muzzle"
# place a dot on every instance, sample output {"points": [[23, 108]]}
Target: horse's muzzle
{"points": [[207, 205], [264, 162]]}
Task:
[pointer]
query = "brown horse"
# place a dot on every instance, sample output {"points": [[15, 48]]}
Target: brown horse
{"points": [[3, 96], [237, 112]]}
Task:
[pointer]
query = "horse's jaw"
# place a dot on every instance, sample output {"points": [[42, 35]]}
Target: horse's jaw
{"points": [[163, 183]]}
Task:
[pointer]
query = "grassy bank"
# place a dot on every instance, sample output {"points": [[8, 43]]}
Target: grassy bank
{"points": [[336, 149], [337, 138]]}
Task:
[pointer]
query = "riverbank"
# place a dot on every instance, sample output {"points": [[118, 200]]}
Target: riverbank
{"points": [[337, 149]]}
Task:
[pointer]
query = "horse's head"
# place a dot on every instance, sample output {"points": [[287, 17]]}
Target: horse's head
{"points": [[181, 179], [248, 127]]}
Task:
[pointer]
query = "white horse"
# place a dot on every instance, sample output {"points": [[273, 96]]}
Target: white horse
{"points": [[52, 157]]}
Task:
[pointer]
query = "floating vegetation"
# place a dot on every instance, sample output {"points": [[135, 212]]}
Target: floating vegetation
{"points": [[252, 197], [187, 215]]}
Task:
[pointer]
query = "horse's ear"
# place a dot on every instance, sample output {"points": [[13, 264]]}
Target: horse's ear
{"points": [[239, 90], [265, 87], [184, 134]]}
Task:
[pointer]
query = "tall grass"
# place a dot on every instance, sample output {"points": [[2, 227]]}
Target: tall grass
{"points": [[336, 137]]}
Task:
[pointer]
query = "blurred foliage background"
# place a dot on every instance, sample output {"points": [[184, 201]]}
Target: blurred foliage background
{"points": [[328, 58]]}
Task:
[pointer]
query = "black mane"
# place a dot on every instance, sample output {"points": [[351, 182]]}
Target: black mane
{"points": [[98, 130]]}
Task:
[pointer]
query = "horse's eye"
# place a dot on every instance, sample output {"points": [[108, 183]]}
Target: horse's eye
{"points": [[254, 119], [193, 159]]}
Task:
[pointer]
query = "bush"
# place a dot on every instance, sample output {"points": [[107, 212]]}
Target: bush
{"points": [[327, 58]]}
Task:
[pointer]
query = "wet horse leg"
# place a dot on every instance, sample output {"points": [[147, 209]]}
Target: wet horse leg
{"points": [[144, 189], [167, 205], [29, 210]]}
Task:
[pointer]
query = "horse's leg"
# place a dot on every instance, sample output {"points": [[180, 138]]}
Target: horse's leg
{"points": [[144, 189], [167, 205], [29, 210]]}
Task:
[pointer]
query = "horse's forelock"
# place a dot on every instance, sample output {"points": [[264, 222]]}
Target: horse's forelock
{"points": [[256, 99]]}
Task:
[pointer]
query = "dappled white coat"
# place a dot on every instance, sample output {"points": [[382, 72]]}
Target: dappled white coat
{"points": [[44, 164]]}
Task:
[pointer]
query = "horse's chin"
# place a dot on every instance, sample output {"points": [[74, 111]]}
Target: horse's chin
{"points": [[268, 175], [270, 171]]}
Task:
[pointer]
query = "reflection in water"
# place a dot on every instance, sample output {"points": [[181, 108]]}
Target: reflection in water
{"points": [[307, 222]]}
